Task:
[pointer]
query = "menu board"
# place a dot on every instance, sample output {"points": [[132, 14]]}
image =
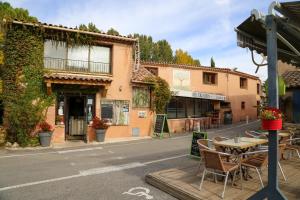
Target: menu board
{"points": [[161, 125]]}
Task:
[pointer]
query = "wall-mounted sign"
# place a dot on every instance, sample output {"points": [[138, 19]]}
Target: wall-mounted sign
{"points": [[142, 114], [125, 108], [201, 95], [181, 79]]}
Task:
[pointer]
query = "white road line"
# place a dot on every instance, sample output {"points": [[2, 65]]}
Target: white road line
{"points": [[90, 172], [108, 169], [27, 154], [79, 150], [164, 159]]}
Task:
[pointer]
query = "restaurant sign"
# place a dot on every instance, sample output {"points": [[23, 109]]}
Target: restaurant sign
{"points": [[196, 94]]}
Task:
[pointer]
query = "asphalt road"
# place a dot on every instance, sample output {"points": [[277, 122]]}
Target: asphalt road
{"points": [[99, 172]]}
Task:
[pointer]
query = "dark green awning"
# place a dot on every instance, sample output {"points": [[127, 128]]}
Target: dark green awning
{"points": [[252, 34]]}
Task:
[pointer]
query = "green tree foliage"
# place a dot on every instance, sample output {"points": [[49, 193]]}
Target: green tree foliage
{"points": [[90, 27], [24, 93], [212, 62], [162, 51], [182, 57], [146, 46], [9, 13], [112, 31], [161, 93]]}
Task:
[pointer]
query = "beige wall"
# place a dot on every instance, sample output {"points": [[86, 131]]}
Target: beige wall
{"points": [[228, 84]]}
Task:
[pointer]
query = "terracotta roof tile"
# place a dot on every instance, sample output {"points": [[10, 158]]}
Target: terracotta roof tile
{"points": [[205, 68], [141, 74], [76, 77], [291, 78], [64, 28]]}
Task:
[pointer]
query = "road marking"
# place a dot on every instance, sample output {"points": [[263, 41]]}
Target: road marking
{"points": [[79, 150], [90, 172], [108, 169], [142, 192], [27, 154], [165, 159]]}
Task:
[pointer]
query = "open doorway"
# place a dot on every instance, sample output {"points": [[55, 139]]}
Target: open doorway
{"points": [[76, 125]]}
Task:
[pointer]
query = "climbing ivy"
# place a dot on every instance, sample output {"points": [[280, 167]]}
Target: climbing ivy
{"points": [[161, 93], [24, 92]]}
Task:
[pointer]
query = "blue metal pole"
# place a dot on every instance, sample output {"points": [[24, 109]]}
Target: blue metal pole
{"points": [[272, 191]]}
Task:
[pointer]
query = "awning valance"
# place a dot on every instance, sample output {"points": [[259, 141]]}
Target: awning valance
{"points": [[197, 94]]}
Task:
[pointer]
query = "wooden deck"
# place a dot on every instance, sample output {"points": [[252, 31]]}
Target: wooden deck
{"points": [[184, 183]]}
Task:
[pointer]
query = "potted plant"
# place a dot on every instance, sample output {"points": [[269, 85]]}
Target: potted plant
{"points": [[271, 118], [45, 133], [100, 127]]}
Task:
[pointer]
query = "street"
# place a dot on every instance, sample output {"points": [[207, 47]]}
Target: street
{"points": [[105, 171]]}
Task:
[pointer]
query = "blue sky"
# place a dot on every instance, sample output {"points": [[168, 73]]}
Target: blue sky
{"points": [[204, 28]]}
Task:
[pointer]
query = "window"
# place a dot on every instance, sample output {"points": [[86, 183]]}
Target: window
{"points": [[58, 55], [117, 111], [99, 59], [209, 78], [258, 88], [243, 105], [243, 83], [141, 97], [181, 107], [78, 56]]}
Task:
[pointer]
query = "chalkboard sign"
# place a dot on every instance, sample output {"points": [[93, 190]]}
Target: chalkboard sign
{"points": [[106, 111], [161, 125], [194, 147]]}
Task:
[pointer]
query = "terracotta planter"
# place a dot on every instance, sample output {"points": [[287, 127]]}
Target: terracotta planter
{"points": [[271, 124]]}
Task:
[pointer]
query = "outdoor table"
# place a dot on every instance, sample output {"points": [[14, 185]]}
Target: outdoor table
{"points": [[241, 146], [280, 133]]}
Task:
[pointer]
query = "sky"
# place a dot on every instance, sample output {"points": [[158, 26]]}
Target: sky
{"points": [[204, 28]]}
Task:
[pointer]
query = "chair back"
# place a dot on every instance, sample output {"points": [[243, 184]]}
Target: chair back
{"points": [[212, 160], [250, 135], [219, 139], [202, 145]]}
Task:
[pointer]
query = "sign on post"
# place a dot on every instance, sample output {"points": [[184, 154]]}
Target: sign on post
{"points": [[161, 125], [194, 148]]}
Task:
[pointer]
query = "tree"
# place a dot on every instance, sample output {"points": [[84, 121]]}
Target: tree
{"points": [[182, 57], [9, 13], [162, 51], [83, 27], [112, 31], [146, 45], [212, 62], [92, 27]]}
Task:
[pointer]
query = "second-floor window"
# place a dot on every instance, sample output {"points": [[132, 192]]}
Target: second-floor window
{"points": [[243, 83], [258, 88], [209, 78], [85, 58]]}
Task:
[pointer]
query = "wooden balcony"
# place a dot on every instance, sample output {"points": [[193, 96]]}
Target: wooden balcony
{"points": [[77, 66]]}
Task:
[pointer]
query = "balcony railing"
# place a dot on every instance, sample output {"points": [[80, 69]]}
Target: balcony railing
{"points": [[76, 65]]}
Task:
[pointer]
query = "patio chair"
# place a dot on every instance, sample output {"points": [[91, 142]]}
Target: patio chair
{"points": [[257, 160], [291, 147], [203, 144], [220, 149], [215, 165]]}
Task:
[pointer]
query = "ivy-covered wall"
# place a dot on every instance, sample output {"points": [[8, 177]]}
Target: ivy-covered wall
{"points": [[24, 93]]}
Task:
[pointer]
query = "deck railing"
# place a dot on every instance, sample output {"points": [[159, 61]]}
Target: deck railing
{"points": [[76, 65]]}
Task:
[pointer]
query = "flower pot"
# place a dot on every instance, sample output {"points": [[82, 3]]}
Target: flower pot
{"points": [[45, 138], [100, 135], [271, 124]]}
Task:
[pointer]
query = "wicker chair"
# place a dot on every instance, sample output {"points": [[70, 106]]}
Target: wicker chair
{"points": [[257, 160], [203, 144], [215, 165], [220, 149]]}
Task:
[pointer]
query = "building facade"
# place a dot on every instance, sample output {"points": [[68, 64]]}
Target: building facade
{"points": [[101, 78], [201, 91]]}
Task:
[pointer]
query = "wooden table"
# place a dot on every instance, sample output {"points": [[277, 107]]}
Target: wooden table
{"points": [[280, 133], [243, 144]]}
